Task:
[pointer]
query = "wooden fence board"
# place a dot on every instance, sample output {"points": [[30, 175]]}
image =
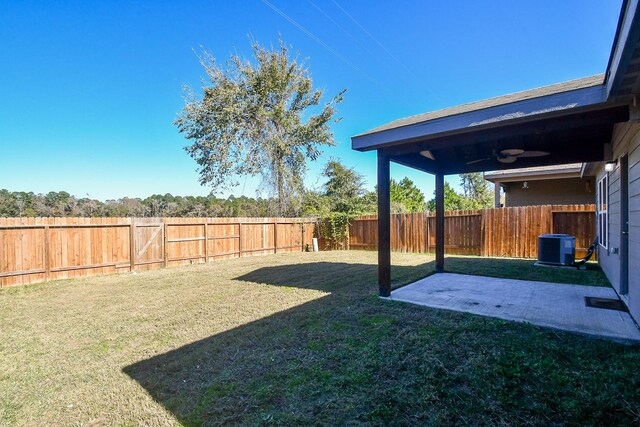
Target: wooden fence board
{"points": [[39, 249], [502, 232], [75, 247]]}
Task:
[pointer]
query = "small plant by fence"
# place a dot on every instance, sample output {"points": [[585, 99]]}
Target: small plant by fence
{"points": [[41, 249], [501, 232]]}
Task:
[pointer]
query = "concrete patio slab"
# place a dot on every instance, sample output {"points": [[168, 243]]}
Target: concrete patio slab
{"points": [[552, 305]]}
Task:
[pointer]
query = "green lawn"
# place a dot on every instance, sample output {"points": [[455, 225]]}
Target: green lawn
{"points": [[297, 339], [519, 268]]}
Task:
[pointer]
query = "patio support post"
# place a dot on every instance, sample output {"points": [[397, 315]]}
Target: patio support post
{"points": [[439, 223], [384, 226]]}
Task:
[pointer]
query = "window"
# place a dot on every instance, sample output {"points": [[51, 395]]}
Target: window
{"points": [[601, 211]]}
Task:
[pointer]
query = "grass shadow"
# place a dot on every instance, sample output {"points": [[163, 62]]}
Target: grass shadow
{"points": [[350, 358]]}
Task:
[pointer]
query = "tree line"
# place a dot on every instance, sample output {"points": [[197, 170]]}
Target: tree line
{"points": [[343, 192], [63, 204]]}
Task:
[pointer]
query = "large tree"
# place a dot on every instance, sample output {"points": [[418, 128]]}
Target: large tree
{"points": [[259, 117], [406, 197], [344, 187], [343, 192], [477, 191], [453, 201]]}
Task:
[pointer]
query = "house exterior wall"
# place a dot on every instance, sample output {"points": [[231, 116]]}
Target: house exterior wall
{"points": [[626, 140], [561, 191]]}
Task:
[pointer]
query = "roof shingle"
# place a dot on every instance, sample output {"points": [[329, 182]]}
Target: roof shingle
{"points": [[492, 102]]}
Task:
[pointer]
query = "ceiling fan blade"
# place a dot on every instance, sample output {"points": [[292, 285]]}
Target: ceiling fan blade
{"points": [[507, 159], [512, 152], [478, 161], [534, 154]]}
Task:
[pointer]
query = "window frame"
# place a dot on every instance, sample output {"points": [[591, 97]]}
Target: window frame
{"points": [[602, 210]]}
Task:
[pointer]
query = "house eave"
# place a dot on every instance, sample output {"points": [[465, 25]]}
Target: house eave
{"points": [[624, 50], [555, 105]]}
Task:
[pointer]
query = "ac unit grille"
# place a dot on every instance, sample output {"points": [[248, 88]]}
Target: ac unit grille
{"points": [[556, 249]]}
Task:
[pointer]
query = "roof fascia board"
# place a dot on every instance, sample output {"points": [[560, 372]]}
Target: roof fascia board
{"points": [[622, 50], [616, 37], [577, 119], [500, 115]]}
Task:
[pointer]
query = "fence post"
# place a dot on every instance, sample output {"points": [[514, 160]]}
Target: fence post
{"points": [[483, 238], [275, 237], [240, 240], [47, 249], [132, 244], [206, 242], [165, 242], [302, 241]]}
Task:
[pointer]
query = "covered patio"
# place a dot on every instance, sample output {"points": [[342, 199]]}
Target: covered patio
{"points": [[578, 121], [570, 122], [553, 305], [587, 120]]}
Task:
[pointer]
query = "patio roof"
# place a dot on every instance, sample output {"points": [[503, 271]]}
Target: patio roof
{"points": [[495, 115], [572, 122]]}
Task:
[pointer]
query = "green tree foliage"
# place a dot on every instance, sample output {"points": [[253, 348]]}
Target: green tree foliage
{"points": [[344, 188], [315, 203], [60, 204], [453, 201], [342, 198], [406, 197], [343, 192], [251, 121], [477, 194], [477, 191]]}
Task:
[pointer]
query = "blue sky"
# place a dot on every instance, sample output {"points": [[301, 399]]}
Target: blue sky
{"points": [[89, 89]]}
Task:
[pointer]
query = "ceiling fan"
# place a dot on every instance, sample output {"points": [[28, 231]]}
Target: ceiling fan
{"points": [[510, 155]]}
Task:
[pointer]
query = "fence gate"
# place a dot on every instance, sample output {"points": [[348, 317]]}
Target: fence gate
{"points": [[148, 243]]}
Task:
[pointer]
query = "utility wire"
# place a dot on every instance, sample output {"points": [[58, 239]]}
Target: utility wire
{"points": [[355, 21], [341, 28], [317, 39]]}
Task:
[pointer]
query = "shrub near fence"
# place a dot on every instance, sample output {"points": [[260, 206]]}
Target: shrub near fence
{"points": [[40, 249], [501, 232]]}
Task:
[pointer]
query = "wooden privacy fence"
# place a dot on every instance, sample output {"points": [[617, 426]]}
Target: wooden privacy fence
{"points": [[501, 232], [40, 249]]}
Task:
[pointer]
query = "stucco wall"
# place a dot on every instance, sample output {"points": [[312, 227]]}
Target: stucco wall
{"points": [[626, 140], [565, 191]]}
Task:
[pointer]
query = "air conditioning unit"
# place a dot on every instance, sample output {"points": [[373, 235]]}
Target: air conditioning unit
{"points": [[556, 249]]}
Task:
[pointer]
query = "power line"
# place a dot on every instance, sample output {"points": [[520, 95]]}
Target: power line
{"points": [[355, 21], [317, 39], [341, 28]]}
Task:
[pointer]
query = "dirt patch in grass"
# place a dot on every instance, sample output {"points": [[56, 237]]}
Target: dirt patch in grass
{"points": [[292, 339]]}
